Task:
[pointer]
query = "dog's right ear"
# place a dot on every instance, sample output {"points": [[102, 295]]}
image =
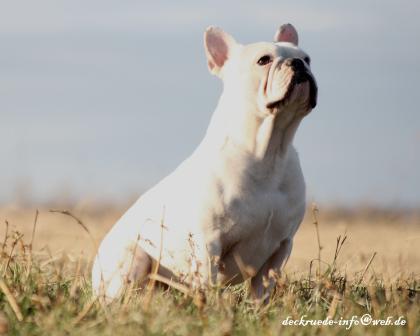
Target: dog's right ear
{"points": [[287, 33], [218, 46]]}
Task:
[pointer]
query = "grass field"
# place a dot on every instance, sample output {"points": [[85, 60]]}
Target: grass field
{"points": [[364, 262]]}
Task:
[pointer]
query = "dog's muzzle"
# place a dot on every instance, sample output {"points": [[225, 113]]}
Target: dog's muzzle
{"points": [[292, 72]]}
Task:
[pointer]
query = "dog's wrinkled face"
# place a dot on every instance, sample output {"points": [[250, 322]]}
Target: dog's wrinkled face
{"points": [[270, 76]]}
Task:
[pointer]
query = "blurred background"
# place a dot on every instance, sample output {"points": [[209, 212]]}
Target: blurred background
{"points": [[101, 99]]}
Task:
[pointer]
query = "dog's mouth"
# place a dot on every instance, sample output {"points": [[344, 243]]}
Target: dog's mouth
{"points": [[290, 81], [298, 78]]}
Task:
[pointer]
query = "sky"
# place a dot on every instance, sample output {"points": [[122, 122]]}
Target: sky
{"points": [[101, 99]]}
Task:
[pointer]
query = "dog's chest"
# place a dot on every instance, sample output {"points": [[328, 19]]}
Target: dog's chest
{"points": [[257, 217], [250, 200]]}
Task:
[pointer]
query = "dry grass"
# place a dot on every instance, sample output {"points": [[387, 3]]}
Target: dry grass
{"points": [[372, 268]]}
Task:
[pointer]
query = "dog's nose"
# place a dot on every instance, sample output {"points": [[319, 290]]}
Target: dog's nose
{"points": [[296, 64]]}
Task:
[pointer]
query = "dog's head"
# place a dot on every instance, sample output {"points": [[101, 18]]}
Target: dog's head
{"points": [[270, 76]]}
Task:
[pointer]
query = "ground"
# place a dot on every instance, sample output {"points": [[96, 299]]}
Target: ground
{"points": [[348, 264]]}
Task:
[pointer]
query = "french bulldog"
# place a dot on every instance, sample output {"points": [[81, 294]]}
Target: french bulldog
{"points": [[230, 211]]}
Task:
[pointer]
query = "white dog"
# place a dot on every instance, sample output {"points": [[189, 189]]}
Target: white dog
{"points": [[230, 210]]}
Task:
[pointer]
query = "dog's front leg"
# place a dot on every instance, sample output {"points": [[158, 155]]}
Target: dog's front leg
{"points": [[214, 252], [262, 284]]}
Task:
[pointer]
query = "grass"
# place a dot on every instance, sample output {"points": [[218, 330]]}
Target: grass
{"points": [[48, 293]]}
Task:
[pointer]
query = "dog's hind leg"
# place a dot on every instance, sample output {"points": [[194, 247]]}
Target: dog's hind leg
{"points": [[113, 272]]}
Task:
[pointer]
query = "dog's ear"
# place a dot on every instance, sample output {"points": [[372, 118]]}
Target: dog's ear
{"points": [[287, 33], [218, 46]]}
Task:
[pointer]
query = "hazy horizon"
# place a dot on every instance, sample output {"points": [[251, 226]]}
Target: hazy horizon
{"points": [[102, 99]]}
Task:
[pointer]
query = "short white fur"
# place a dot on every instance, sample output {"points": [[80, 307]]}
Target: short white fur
{"points": [[230, 210]]}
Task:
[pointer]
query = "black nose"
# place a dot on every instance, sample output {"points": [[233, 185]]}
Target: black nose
{"points": [[296, 64]]}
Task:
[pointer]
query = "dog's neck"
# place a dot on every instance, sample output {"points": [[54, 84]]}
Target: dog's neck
{"points": [[265, 137]]}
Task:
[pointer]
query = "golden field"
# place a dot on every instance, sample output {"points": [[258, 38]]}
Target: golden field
{"points": [[44, 287], [394, 235]]}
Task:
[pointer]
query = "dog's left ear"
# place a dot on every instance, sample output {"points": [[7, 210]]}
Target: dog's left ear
{"points": [[218, 46], [287, 33]]}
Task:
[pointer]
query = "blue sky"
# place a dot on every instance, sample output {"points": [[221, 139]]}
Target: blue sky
{"points": [[101, 99]]}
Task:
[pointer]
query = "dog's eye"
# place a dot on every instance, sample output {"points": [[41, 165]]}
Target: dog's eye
{"points": [[307, 60], [264, 60]]}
